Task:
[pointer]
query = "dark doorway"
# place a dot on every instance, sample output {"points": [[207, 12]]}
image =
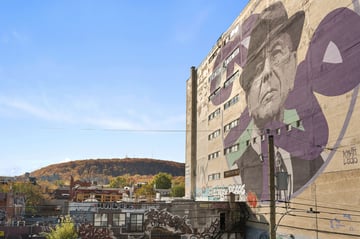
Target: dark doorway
{"points": [[222, 221]]}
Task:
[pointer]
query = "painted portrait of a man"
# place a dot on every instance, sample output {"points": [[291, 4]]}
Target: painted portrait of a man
{"points": [[280, 94], [267, 79]]}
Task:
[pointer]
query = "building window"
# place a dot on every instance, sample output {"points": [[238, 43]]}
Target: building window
{"points": [[212, 57], [214, 176], [231, 149], [288, 127], [100, 219], [119, 219], [214, 114], [214, 155], [231, 125], [231, 57], [215, 73], [231, 79], [214, 93], [136, 222], [214, 134], [231, 102]]}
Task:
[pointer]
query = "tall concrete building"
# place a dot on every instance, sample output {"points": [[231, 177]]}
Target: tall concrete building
{"points": [[288, 71]]}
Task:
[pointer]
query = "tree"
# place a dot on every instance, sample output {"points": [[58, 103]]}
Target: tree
{"points": [[32, 193], [146, 190], [66, 229], [121, 181], [162, 181], [178, 190]]}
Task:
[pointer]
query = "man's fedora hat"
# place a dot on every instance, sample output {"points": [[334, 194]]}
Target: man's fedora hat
{"points": [[271, 22]]}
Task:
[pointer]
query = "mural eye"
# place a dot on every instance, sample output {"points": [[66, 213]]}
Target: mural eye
{"points": [[277, 56], [259, 68]]}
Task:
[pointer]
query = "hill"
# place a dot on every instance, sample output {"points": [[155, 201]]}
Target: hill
{"points": [[102, 170]]}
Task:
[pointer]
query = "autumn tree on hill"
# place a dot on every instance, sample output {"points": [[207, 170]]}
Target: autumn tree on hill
{"points": [[32, 193], [162, 181], [122, 181]]}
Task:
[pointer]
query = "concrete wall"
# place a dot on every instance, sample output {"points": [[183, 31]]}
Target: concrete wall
{"points": [[290, 69]]}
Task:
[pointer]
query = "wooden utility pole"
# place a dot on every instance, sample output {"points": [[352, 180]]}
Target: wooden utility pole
{"points": [[272, 231]]}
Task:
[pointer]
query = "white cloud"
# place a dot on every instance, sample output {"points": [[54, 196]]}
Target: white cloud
{"points": [[30, 109], [111, 123], [88, 118]]}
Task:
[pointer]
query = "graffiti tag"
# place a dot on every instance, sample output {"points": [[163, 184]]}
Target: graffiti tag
{"points": [[156, 218], [350, 156], [220, 193]]}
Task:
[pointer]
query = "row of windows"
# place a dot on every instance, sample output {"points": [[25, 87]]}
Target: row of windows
{"points": [[231, 79], [235, 147], [214, 155], [231, 102], [231, 57], [215, 74], [288, 127], [228, 150], [226, 83], [214, 134], [231, 125], [214, 176], [134, 222], [231, 149], [227, 127], [214, 114], [223, 43], [214, 93]]}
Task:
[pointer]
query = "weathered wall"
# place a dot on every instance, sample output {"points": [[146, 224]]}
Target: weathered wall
{"points": [[290, 69]]}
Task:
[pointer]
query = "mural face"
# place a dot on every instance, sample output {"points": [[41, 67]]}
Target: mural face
{"points": [[282, 94]]}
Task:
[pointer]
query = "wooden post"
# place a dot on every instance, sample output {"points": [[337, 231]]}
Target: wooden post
{"points": [[272, 231]]}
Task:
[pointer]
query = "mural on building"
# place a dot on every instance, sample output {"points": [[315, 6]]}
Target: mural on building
{"points": [[177, 225], [282, 94], [166, 220]]}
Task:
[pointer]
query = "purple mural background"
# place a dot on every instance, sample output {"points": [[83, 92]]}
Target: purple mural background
{"points": [[330, 68]]}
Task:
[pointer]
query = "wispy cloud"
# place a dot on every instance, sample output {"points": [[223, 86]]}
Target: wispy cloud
{"points": [[112, 124], [91, 119], [14, 36], [22, 106]]}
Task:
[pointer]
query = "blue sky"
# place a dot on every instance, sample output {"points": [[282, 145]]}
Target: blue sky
{"points": [[100, 79]]}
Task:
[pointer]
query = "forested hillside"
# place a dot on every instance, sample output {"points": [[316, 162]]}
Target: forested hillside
{"points": [[103, 169]]}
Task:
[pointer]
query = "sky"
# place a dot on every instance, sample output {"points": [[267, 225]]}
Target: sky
{"points": [[100, 79]]}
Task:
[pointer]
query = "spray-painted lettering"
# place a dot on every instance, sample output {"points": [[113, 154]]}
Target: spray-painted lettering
{"points": [[350, 156]]}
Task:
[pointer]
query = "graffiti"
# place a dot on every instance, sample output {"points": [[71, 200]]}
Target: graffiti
{"points": [[342, 224], [350, 156], [336, 223], [208, 232], [88, 231], [221, 193], [81, 216], [162, 218]]}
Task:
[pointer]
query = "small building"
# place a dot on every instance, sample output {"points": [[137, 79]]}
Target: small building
{"points": [[175, 219]]}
